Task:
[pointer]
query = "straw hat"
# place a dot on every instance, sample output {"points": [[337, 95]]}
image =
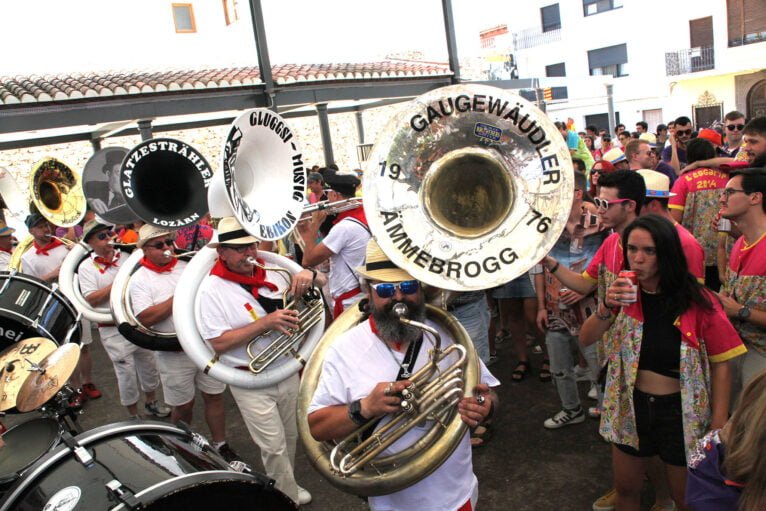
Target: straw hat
{"points": [[147, 232], [649, 138], [92, 227], [377, 266], [614, 155], [230, 232], [657, 184]]}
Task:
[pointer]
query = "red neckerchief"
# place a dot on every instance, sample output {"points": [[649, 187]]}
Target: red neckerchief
{"points": [[257, 280], [6, 251], [374, 329], [105, 265], [356, 213], [50, 246], [146, 263]]}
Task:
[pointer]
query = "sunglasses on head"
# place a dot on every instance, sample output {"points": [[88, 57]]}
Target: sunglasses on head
{"points": [[161, 244], [604, 204], [684, 132], [735, 127], [104, 235], [388, 289]]}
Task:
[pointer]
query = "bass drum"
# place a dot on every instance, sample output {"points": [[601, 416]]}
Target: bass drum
{"points": [[25, 443], [139, 465], [31, 308]]}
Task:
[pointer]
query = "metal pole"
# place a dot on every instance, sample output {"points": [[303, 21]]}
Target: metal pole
{"points": [[262, 49], [610, 106], [145, 129], [359, 126], [324, 131], [95, 143], [449, 29]]}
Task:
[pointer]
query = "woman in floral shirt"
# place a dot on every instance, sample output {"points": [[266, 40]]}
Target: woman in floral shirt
{"points": [[667, 344]]}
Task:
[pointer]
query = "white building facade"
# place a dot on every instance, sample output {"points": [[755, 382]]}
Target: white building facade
{"points": [[663, 59]]}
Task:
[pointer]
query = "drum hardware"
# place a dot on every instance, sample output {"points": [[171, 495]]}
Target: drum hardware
{"points": [[13, 372], [48, 377]]}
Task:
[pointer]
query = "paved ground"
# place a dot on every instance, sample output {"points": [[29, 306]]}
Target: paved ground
{"points": [[523, 467]]}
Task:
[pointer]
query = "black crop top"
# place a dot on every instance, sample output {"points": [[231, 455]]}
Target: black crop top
{"points": [[661, 341]]}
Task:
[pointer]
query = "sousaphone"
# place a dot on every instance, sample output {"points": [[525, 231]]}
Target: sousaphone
{"points": [[56, 192], [466, 189]]}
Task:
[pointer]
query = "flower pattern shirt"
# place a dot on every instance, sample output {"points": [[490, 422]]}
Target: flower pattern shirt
{"points": [[706, 336]]}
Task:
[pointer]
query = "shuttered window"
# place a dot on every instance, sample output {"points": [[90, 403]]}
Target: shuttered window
{"points": [[591, 7], [701, 32], [550, 17], [556, 70], [746, 21], [612, 60]]}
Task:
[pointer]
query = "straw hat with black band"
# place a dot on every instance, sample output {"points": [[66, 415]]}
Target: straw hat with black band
{"points": [[378, 266], [230, 232], [92, 227], [148, 232]]}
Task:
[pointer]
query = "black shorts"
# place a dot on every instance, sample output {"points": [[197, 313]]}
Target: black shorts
{"points": [[660, 428]]}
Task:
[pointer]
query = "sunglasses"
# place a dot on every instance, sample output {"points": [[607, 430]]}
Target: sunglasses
{"points": [[604, 204], [241, 249], [104, 235], [735, 127], [161, 244], [684, 132], [728, 192], [388, 289]]}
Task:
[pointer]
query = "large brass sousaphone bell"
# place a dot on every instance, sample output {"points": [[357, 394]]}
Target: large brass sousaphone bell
{"points": [[465, 190], [56, 192]]}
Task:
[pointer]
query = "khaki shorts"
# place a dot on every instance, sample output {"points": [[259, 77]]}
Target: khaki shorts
{"points": [[180, 378]]}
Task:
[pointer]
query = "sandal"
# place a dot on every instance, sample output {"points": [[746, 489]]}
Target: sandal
{"points": [[522, 368], [480, 435], [545, 371], [502, 335]]}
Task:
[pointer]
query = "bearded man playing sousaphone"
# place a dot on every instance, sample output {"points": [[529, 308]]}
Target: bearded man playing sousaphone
{"points": [[239, 301], [367, 367]]}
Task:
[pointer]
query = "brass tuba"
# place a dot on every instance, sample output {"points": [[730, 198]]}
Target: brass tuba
{"points": [[466, 189]]}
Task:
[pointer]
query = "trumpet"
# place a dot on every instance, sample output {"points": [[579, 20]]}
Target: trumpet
{"points": [[332, 208], [311, 311]]}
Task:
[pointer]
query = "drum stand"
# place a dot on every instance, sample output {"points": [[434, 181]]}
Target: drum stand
{"points": [[58, 408]]}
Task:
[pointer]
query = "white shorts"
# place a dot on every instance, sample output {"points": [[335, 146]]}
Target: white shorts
{"points": [[86, 332], [134, 367], [180, 378]]}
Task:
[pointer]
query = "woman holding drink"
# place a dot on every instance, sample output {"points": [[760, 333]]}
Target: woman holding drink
{"points": [[667, 347]]}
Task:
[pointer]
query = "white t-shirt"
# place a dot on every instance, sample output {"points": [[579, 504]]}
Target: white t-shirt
{"points": [[225, 305], [5, 258], [356, 362], [149, 288], [39, 265], [348, 242], [92, 279]]}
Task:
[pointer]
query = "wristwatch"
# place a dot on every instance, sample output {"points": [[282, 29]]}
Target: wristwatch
{"points": [[355, 413], [744, 312]]}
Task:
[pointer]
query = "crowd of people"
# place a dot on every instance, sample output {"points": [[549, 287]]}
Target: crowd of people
{"points": [[655, 293]]}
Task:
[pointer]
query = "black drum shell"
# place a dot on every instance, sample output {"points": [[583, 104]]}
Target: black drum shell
{"points": [[24, 312], [159, 464], [26, 443]]}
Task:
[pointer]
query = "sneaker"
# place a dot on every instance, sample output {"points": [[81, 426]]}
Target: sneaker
{"points": [[90, 391], [228, 453], [537, 349], [157, 409], [593, 392], [606, 502], [304, 497], [594, 412], [660, 507], [581, 373], [565, 418], [492, 359]]}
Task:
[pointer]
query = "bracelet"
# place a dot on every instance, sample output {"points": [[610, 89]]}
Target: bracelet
{"points": [[555, 267]]}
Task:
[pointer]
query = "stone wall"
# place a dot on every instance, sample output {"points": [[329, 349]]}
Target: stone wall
{"points": [[209, 142]]}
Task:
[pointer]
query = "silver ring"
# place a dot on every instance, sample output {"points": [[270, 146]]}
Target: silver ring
{"points": [[480, 399], [388, 389]]}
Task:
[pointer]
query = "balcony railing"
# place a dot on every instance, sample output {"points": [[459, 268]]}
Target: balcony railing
{"points": [[691, 60], [532, 37]]}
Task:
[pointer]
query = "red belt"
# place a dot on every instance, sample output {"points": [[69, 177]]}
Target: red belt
{"points": [[338, 308], [105, 325]]}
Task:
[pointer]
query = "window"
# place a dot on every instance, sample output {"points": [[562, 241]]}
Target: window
{"points": [[747, 21], [612, 60], [556, 70], [591, 7], [551, 18], [230, 11], [183, 17]]}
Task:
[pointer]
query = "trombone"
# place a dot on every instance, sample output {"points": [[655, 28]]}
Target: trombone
{"points": [[332, 208]]}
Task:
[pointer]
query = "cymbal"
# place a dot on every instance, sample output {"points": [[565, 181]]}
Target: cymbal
{"points": [[14, 362], [52, 374]]}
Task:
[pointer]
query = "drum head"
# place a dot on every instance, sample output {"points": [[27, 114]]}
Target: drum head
{"points": [[25, 444]]}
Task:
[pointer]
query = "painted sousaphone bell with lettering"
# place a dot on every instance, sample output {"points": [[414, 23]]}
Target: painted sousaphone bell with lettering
{"points": [[466, 189]]}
